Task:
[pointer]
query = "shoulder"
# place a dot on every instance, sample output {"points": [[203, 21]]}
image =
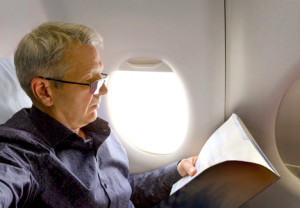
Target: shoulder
{"points": [[115, 139], [12, 135], [19, 120], [20, 149], [20, 139], [20, 128]]}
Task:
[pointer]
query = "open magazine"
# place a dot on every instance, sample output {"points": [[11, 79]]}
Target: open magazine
{"points": [[231, 169]]}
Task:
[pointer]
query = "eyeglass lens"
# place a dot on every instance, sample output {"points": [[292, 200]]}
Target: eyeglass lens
{"points": [[96, 85]]}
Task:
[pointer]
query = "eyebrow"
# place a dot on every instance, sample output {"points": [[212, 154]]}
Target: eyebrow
{"points": [[92, 72]]}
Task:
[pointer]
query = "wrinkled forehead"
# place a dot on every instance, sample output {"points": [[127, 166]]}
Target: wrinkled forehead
{"points": [[83, 60]]}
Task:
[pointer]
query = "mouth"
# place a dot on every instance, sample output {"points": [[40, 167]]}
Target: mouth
{"points": [[96, 104]]}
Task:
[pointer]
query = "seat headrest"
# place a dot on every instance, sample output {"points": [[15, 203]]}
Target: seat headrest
{"points": [[12, 96]]}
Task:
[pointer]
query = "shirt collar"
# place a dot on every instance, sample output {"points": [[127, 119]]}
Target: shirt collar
{"points": [[55, 132]]}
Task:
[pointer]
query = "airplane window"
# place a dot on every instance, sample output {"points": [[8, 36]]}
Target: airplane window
{"points": [[287, 128], [148, 106]]}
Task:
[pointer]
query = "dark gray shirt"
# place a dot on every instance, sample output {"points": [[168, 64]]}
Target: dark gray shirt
{"points": [[45, 164]]}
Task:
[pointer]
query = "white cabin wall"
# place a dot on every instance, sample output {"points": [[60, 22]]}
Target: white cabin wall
{"points": [[16, 19], [262, 61], [187, 35]]}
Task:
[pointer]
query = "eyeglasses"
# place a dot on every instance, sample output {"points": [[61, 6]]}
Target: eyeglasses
{"points": [[94, 86]]}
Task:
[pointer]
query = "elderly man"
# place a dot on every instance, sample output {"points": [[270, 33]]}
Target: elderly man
{"points": [[59, 153]]}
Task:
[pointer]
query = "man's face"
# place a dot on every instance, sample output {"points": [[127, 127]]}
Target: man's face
{"points": [[74, 106]]}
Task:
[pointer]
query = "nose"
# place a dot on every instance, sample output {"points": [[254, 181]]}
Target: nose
{"points": [[103, 90]]}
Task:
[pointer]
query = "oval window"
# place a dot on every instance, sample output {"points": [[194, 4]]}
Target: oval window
{"points": [[287, 128], [148, 105]]}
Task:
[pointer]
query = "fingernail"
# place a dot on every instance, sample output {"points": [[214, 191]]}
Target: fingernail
{"points": [[192, 170]]}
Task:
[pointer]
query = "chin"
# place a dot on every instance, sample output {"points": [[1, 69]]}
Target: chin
{"points": [[93, 116], [90, 116]]}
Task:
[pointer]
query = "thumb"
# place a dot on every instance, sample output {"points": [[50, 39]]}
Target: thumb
{"points": [[186, 167]]}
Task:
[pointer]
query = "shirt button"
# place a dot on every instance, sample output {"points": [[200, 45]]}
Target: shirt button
{"points": [[105, 185]]}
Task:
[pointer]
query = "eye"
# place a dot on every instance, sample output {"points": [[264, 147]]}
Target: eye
{"points": [[88, 81]]}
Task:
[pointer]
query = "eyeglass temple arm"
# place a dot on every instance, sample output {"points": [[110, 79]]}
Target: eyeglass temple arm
{"points": [[65, 81]]}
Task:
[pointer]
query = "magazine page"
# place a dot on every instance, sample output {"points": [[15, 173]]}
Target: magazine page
{"points": [[228, 143]]}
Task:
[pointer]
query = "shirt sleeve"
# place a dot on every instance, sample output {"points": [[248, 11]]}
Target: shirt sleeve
{"points": [[148, 189], [17, 184]]}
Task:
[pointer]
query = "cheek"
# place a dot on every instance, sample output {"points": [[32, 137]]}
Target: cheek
{"points": [[86, 101], [78, 104]]}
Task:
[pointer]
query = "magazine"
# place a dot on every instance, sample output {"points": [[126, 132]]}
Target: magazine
{"points": [[231, 169]]}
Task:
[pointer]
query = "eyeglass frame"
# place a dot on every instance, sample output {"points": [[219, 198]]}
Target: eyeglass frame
{"points": [[68, 82]]}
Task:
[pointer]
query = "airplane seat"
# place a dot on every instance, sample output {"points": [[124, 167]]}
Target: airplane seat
{"points": [[18, 18], [12, 96]]}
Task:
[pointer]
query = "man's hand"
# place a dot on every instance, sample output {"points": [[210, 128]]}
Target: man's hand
{"points": [[187, 166]]}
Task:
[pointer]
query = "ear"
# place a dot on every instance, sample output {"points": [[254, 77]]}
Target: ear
{"points": [[42, 91]]}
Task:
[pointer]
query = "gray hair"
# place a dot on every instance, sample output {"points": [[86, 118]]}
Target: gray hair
{"points": [[41, 52]]}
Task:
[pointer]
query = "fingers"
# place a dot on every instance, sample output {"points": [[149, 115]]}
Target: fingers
{"points": [[192, 171], [187, 167]]}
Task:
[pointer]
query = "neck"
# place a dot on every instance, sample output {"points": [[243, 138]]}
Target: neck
{"points": [[81, 133], [49, 112]]}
